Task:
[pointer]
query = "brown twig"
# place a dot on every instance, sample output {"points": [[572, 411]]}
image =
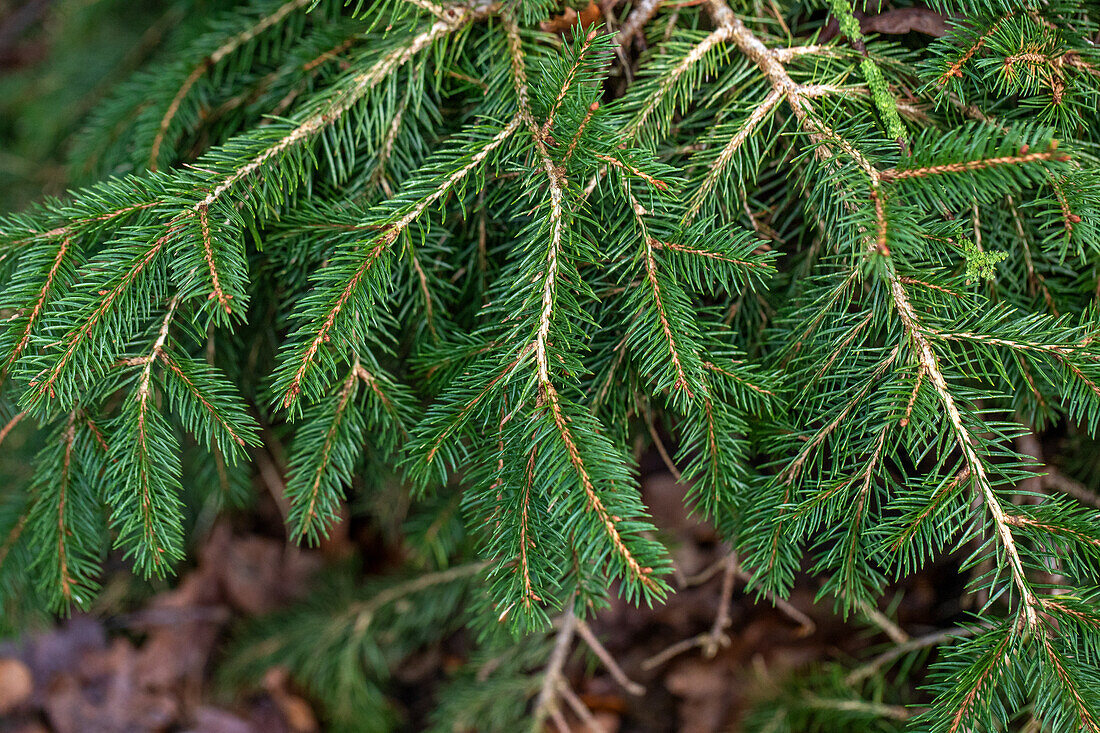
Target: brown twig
{"points": [[585, 632], [717, 638], [546, 703], [659, 445]]}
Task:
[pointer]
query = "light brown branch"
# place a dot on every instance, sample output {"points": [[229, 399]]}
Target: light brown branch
{"points": [[546, 703], [585, 632]]}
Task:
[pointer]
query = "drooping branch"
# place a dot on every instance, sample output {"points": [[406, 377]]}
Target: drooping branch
{"points": [[144, 395], [343, 401], [556, 183], [643, 575], [213, 59], [360, 85], [376, 248], [930, 365], [39, 304], [758, 115]]}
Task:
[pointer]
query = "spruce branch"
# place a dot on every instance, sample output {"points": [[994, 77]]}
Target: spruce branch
{"points": [[681, 382], [548, 393], [39, 304], [290, 386], [208, 410], [669, 84], [66, 582], [11, 425], [1024, 157], [213, 59], [928, 361], [557, 194], [745, 130], [639, 16], [589, 638], [930, 366], [954, 70], [77, 340], [489, 271], [153, 534], [311, 509], [208, 254], [359, 85]]}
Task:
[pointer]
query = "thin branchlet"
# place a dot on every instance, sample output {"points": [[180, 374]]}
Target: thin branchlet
{"points": [[231, 45]]}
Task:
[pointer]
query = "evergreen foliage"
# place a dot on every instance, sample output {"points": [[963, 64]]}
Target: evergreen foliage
{"points": [[435, 242]]}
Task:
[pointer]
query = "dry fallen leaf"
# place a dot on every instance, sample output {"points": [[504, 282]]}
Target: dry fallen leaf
{"points": [[215, 720], [565, 22], [905, 20], [104, 693], [260, 574], [296, 711], [16, 684]]}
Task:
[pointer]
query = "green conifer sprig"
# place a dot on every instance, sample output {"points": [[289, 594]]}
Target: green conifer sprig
{"points": [[435, 239]]}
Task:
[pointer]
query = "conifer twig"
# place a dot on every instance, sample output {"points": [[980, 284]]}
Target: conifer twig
{"points": [[557, 192], [343, 401], [189, 383], [955, 70], [660, 445], [366, 609], [669, 81], [525, 541], [10, 424], [900, 649], [884, 623], [13, 537], [231, 45], [545, 703], [585, 632], [361, 84], [144, 394], [639, 16], [66, 580], [77, 337], [930, 364], [548, 393], [717, 637], [578, 707], [375, 250], [758, 114], [666, 329], [965, 166], [39, 305]]}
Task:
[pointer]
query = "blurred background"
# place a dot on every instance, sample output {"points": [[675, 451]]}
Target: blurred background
{"points": [[58, 59]]}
